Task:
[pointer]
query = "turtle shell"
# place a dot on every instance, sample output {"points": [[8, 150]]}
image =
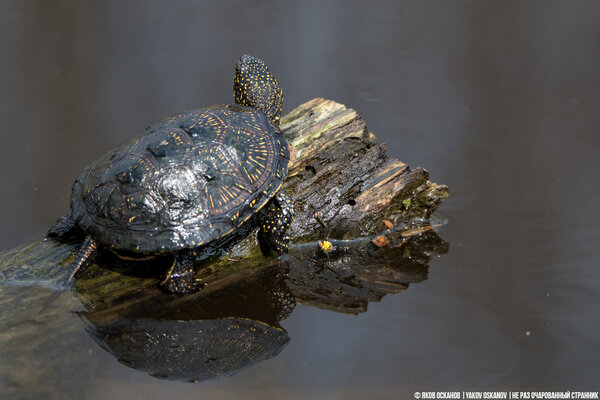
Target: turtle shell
{"points": [[183, 182]]}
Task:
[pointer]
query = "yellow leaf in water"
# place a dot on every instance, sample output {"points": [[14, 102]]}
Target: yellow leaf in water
{"points": [[325, 245]]}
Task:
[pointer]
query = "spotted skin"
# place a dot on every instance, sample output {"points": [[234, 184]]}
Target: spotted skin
{"points": [[255, 86], [180, 278], [278, 216], [190, 181]]}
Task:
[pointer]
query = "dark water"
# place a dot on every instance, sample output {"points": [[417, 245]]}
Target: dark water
{"points": [[498, 100]]}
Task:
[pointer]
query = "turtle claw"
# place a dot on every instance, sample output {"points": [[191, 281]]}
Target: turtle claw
{"points": [[181, 278], [182, 284]]}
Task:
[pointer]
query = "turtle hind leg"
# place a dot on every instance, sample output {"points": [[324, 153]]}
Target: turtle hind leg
{"points": [[181, 278], [277, 218], [63, 228]]}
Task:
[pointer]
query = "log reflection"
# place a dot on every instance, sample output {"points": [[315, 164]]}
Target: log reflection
{"points": [[235, 322]]}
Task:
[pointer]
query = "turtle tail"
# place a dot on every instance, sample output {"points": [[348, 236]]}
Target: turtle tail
{"points": [[255, 86], [85, 256]]}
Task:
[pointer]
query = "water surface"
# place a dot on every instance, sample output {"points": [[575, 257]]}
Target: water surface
{"points": [[498, 100]]}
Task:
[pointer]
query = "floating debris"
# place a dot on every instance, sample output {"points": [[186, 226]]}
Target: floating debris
{"points": [[325, 245], [381, 241], [418, 231], [406, 204]]}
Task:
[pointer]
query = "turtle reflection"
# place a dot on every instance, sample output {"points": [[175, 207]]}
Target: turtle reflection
{"points": [[190, 350], [195, 337]]}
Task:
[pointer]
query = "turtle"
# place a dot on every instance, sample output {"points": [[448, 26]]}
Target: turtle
{"points": [[189, 186]]}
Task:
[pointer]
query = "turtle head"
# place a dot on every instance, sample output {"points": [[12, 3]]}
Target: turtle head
{"points": [[254, 86]]}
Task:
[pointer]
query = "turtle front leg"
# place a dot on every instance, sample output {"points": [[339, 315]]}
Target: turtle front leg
{"points": [[276, 220], [181, 279]]}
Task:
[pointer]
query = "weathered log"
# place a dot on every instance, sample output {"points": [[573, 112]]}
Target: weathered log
{"points": [[343, 182]]}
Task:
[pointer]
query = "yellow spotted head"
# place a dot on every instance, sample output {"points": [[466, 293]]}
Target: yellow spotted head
{"points": [[254, 86]]}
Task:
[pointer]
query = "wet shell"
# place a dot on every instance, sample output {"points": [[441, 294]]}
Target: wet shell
{"points": [[184, 182]]}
